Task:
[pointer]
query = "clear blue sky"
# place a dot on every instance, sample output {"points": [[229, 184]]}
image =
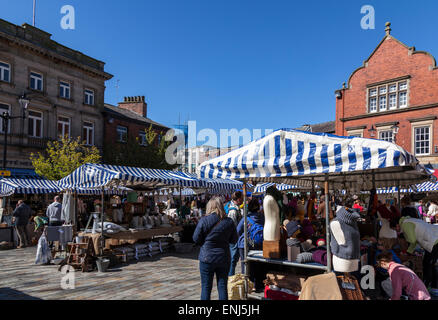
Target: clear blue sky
{"points": [[231, 63]]}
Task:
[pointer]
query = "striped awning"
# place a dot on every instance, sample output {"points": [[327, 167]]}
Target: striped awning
{"points": [[10, 186], [100, 175], [218, 183], [422, 187], [296, 157], [262, 187]]}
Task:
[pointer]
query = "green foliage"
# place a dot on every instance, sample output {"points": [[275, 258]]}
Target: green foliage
{"points": [[133, 154], [63, 157]]}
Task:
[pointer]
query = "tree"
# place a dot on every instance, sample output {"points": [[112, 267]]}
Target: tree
{"points": [[134, 154], [63, 157]]}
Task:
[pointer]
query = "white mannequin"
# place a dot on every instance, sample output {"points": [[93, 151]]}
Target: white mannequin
{"points": [[271, 230], [386, 231], [339, 264]]}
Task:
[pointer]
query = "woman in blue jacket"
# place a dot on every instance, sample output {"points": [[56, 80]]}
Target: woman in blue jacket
{"points": [[214, 233]]}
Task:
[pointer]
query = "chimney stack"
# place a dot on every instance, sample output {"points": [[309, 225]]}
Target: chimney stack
{"points": [[135, 104]]}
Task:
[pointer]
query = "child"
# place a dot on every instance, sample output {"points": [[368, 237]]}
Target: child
{"points": [[403, 279]]}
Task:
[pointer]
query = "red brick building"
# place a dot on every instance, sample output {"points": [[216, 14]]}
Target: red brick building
{"points": [[127, 121], [393, 97]]}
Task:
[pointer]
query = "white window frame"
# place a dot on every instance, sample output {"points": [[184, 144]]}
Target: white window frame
{"points": [[4, 66], [377, 93], [89, 97], [63, 123], [88, 126], [34, 119], [355, 133], [420, 124], [2, 130], [64, 89], [33, 75], [385, 132], [119, 136]]}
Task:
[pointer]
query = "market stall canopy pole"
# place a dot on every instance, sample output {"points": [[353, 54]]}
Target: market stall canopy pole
{"points": [[294, 157]]}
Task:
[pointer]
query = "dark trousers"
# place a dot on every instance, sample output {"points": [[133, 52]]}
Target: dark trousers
{"points": [[242, 259], [234, 250], [208, 270], [429, 271], [22, 235]]}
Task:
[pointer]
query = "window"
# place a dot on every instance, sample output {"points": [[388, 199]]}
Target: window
{"points": [[63, 127], [422, 140], [122, 134], [382, 103], [403, 101], [373, 104], [64, 90], [5, 72], [142, 138], [355, 133], [35, 124], [4, 108], [386, 135], [388, 97], [36, 81], [89, 97], [88, 133]]}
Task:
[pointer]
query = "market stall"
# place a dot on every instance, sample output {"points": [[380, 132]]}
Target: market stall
{"points": [[304, 159], [147, 220]]}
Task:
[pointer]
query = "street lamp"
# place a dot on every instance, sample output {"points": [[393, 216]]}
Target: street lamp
{"points": [[24, 102], [372, 131]]}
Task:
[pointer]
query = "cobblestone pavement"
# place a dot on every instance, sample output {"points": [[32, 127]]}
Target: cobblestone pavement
{"points": [[168, 276]]}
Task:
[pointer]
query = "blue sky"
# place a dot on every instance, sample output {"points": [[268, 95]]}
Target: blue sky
{"points": [[231, 63]]}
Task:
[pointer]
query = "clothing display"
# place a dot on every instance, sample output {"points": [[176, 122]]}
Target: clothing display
{"points": [[271, 229], [345, 241], [321, 287]]}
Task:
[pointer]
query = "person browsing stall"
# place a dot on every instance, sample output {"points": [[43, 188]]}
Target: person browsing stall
{"points": [[214, 233], [233, 211], [403, 280], [21, 216], [54, 212]]}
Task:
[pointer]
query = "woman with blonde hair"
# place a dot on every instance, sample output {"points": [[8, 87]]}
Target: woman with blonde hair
{"points": [[214, 233]]}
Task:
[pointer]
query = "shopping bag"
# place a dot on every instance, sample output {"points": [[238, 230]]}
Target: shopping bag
{"points": [[236, 287]]}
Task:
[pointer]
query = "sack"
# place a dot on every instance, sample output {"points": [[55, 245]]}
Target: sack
{"points": [[236, 287], [255, 233], [43, 255]]}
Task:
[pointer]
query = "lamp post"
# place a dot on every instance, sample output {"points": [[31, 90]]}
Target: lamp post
{"points": [[6, 117], [372, 131]]}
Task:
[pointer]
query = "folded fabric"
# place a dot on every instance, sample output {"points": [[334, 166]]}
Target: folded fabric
{"points": [[320, 256], [293, 242], [305, 257], [307, 246]]}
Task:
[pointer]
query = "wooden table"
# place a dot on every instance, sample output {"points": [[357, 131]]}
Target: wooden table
{"points": [[129, 236]]}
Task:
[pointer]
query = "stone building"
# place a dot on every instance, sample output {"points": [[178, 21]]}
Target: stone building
{"points": [[393, 96], [65, 88]]}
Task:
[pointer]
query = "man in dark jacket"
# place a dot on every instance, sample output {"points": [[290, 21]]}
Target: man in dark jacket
{"points": [[21, 216]]}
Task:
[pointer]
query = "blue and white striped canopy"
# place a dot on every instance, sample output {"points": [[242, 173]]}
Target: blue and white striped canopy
{"points": [[422, 187], [262, 187], [218, 183], [9, 186], [100, 175], [295, 157]]}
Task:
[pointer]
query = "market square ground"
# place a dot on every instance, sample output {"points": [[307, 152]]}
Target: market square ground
{"points": [[168, 276]]}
